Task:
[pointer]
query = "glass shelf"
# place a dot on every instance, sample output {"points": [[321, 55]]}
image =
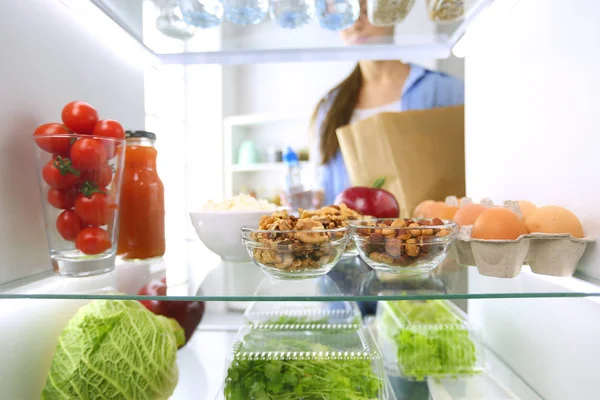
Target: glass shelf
{"points": [[415, 38], [199, 275]]}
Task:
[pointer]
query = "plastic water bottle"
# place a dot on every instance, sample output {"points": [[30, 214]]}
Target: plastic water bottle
{"points": [[202, 13], [295, 193], [292, 14], [170, 23], [246, 12], [336, 15]]}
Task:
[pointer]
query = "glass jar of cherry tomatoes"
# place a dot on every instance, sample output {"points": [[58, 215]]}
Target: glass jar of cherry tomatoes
{"points": [[142, 205]]}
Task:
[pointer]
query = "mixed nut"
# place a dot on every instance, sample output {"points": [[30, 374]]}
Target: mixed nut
{"points": [[400, 242], [295, 244]]}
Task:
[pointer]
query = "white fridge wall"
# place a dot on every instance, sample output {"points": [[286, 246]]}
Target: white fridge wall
{"points": [[532, 133], [49, 58]]}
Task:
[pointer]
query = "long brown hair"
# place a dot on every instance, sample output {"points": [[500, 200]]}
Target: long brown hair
{"points": [[339, 113]]}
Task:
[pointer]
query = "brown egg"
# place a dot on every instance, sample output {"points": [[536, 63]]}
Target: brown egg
{"points": [[436, 210], [498, 223], [468, 213], [527, 208], [449, 212], [553, 219], [422, 208]]}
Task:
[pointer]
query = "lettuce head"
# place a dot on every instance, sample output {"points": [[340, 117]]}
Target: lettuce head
{"points": [[115, 349]]}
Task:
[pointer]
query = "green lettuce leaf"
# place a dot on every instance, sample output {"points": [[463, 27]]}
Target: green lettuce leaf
{"points": [[114, 349]]}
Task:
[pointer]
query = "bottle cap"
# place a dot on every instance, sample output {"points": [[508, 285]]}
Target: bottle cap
{"points": [[140, 134], [290, 157]]}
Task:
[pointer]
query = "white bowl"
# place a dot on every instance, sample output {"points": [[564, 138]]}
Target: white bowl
{"points": [[221, 231]]}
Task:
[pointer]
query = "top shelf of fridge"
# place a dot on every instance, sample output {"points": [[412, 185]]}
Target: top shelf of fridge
{"points": [[415, 38]]}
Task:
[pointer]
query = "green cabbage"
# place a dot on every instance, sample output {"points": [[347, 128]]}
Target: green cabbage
{"points": [[114, 350]]}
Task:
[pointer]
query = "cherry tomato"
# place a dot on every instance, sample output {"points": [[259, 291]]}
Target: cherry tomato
{"points": [[93, 240], [68, 225], [57, 146], [109, 128], [101, 177], [88, 154], [80, 117], [92, 209], [62, 199], [60, 174]]}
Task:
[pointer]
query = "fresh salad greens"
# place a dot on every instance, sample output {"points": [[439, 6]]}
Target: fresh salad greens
{"points": [[284, 374], [431, 340]]}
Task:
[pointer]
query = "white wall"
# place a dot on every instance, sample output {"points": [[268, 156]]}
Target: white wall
{"points": [[48, 59], [532, 133]]}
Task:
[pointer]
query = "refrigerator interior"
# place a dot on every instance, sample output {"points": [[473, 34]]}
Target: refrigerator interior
{"points": [[531, 80]]}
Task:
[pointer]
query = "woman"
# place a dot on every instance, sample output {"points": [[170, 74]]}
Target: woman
{"points": [[371, 88]]}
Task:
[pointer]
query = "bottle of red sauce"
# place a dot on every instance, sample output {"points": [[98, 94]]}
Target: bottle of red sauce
{"points": [[142, 206]]}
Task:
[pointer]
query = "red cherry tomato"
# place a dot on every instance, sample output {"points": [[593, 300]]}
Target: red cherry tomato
{"points": [[93, 209], [93, 240], [68, 225], [109, 128], [88, 154], [101, 177], [57, 146], [62, 199], [80, 117], [60, 174]]}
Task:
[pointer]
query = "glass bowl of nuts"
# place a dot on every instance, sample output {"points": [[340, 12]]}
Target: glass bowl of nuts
{"points": [[403, 246], [287, 247]]}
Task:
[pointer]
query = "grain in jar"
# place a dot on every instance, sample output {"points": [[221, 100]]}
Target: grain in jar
{"points": [[445, 10]]}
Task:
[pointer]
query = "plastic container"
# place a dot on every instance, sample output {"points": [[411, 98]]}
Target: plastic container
{"points": [[421, 339], [142, 220], [296, 254], [303, 312], [170, 21], [388, 12], [292, 14], [245, 12], [403, 246], [202, 13], [336, 15], [320, 359], [80, 200], [445, 10]]}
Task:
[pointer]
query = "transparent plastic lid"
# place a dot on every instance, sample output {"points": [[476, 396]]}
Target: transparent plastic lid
{"points": [[305, 361], [427, 339], [313, 312]]}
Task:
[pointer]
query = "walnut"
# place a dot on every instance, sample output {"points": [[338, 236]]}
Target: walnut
{"points": [[280, 225], [311, 237], [286, 262], [412, 249]]}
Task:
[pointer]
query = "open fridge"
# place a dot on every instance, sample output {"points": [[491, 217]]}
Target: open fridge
{"points": [[530, 72]]}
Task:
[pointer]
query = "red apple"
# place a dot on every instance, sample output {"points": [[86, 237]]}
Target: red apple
{"points": [[371, 201], [187, 313]]}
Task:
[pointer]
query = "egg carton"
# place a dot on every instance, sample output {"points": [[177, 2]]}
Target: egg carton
{"points": [[545, 253]]}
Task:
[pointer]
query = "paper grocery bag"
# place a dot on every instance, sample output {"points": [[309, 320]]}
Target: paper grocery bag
{"points": [[421, 154]]}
